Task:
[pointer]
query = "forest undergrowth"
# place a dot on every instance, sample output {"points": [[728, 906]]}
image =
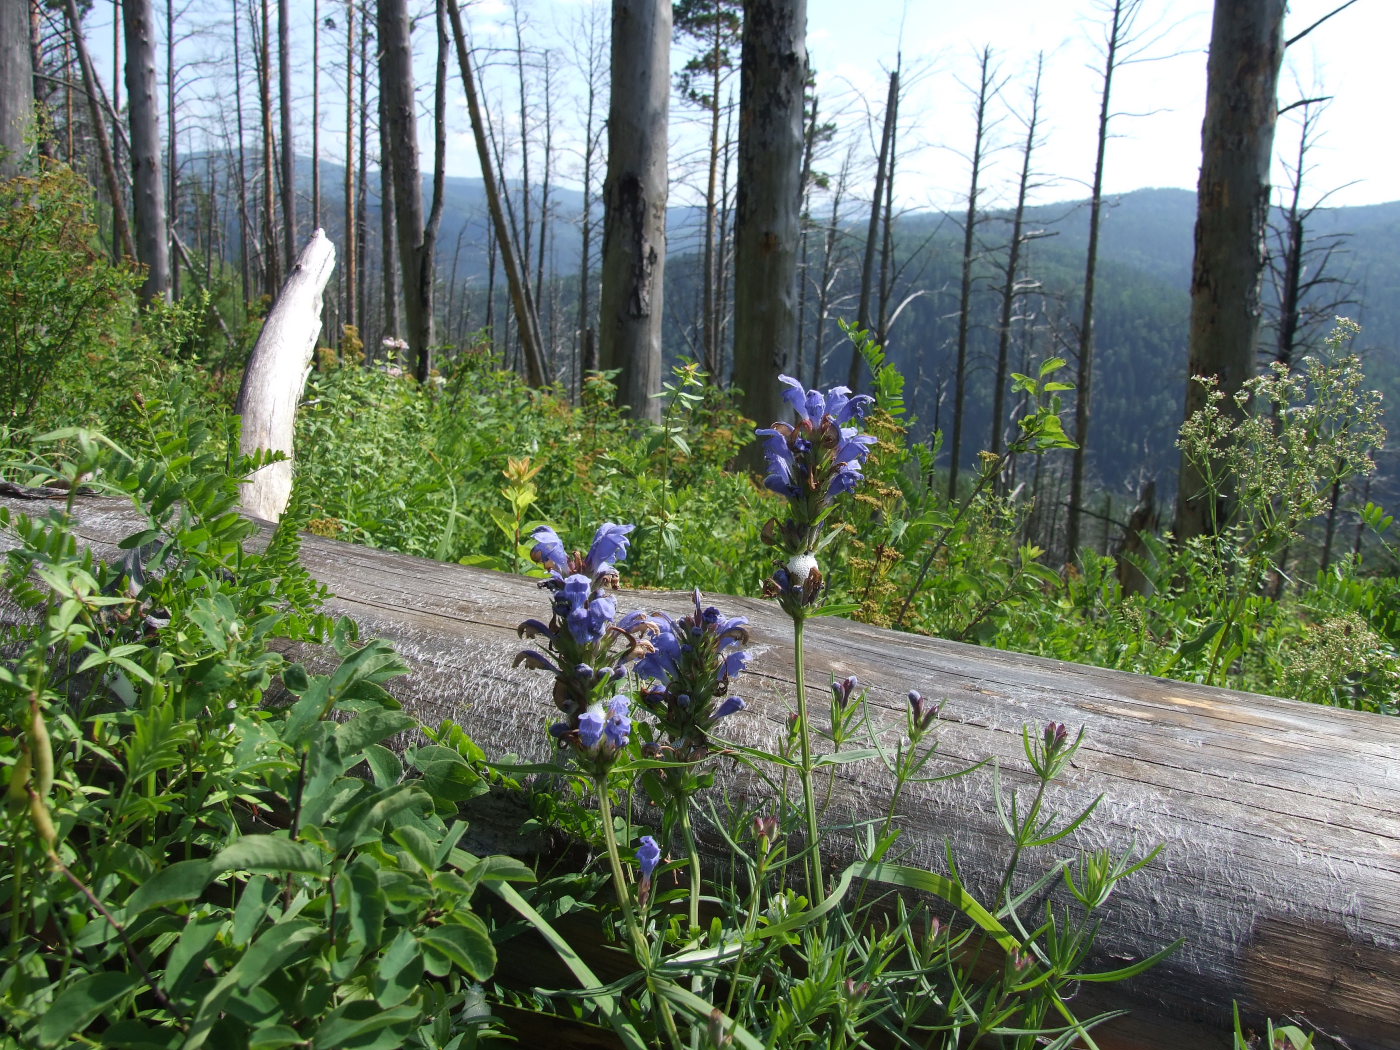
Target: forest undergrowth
{"points": [[191, 864]]}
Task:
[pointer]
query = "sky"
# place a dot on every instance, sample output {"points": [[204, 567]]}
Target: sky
{"points": [[1158, 99]]}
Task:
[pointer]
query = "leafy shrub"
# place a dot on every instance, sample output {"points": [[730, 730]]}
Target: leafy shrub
{"points": [[197, 855], [58, 295]]}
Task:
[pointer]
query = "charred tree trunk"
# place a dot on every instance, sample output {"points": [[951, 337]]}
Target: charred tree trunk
{"points": [[767, 221], [289, 159], [152, 246], [1232, 200], [634, 203], [401, 141]]}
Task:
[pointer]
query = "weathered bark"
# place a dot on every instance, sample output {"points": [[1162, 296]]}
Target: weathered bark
{"points": [[16, 86], [276, 374], [634, 204], [121, 227], [400, 114], [536, 372], [1277, 817], [152, 247], [767, 222], [1232, 209]]}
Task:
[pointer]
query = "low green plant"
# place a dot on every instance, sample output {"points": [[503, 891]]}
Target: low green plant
{"points": [[206, 843]]}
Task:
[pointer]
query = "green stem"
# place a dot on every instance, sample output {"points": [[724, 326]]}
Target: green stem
{"points": [[624, 895], [804, 770], [688, 833], [629, 914]]}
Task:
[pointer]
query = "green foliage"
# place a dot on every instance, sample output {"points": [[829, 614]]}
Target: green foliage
{"points": [[58, 296], [187, 863]]}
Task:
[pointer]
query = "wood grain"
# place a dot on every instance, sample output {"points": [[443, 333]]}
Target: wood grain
{"points": [[1281, 866]]}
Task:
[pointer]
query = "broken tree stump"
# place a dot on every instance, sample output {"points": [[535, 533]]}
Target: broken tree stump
{"points": [[276, 375], [1280, 820]]}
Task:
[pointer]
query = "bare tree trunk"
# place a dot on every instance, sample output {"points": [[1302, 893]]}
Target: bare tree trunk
{"points": [[315, 114], [985, 90], [172, 203], [634, 203], [114, 115], [115, 190], [543, 224], [152, 247], [592, 69], [284, 97], [536, 372], [867, 269], [16, 86], [1232, 201], [767, 226], [245, 228], [272, 272], [829, 270], [362, 257], [1122, 15], [886, 282], [350, 314], [389, 255], [1010, 287], [523, 233]]}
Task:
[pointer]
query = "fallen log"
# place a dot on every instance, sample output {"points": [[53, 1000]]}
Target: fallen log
{"points": [[1281, 865]]}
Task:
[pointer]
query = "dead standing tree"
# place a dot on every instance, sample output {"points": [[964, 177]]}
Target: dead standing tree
{"points": [[634, 202], [1121, 45], [768, 228], [417, 237], [988, 87], [1232, 201], [152, 245], [536, 370]]}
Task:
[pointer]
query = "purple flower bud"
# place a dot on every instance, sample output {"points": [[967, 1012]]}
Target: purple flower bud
{"points": [[549, 550], [765, 829], [842, 689], [732, 705]]}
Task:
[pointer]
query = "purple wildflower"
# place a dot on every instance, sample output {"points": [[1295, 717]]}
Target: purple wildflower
{"points": [[648, 856], [732, 705], [549, 550], [690, 665], [619, 723], [590, 728], [810, 463]]}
